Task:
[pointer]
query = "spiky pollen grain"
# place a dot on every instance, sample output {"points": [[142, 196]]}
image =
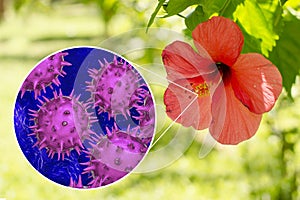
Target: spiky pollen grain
{"points": [[113, 156], [60, 125], [112, 86], [45, 74]]}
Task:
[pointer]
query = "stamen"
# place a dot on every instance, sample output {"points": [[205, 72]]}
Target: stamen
{"points": [[201, 89]]}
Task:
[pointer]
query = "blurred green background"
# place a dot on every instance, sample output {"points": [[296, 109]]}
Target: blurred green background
{"points": [[265, 167]]}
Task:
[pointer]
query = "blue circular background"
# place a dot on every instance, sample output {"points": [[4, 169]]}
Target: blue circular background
{"points": [[60, 171]]}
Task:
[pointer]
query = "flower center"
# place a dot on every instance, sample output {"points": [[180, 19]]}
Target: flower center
{"points": [[201, 89], [224, 70]]}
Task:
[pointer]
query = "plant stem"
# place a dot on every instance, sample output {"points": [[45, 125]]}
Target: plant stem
{"points": [[181, 15]]}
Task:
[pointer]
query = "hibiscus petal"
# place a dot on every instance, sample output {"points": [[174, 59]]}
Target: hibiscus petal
{"points": [[257, 83], [181, 61], [232, 122], [190, 110], [220, 38]]}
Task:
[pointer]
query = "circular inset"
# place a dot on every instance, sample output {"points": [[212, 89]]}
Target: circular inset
{"points": [[84, 117]]}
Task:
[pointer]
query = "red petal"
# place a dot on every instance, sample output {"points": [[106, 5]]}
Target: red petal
{"points": [[232, 122], [257, 83], [181, 61], [180, 100], [221, 38]]}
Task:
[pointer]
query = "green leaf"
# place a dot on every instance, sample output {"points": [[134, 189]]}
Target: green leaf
{"points": [[285, 54], [151, 20], [283, 2], [187, 32], [207, 8], [195, 18], [203, 12], [177, 6], [251, 44], [277, 19], [272, 10], [251, 16], [210, 7], [230, 7]]}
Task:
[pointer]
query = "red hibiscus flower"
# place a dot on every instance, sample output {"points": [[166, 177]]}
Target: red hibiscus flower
{"points": [[218, 87]]}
